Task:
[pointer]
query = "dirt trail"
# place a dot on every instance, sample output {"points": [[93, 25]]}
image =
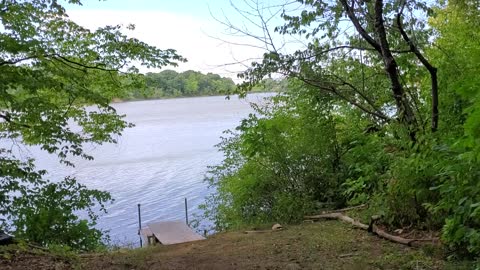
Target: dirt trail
{"points": [[323, 245]]}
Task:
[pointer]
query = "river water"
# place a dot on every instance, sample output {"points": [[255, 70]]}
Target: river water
{"points": [[157, 163]]}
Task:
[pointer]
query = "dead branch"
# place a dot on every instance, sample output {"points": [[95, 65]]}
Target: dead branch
{"points": [[340, 216], [373, 229], [348, 255], [391, 237]]}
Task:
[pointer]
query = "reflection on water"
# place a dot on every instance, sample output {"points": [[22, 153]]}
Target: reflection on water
{"points": [[158, 162]]}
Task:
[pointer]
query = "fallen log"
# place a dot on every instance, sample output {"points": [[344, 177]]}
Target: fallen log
{"points": [[372, 228], [391, 237], [339, 216]]}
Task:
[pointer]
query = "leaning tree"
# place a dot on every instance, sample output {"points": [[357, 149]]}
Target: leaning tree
{"points": [[369, 54]]}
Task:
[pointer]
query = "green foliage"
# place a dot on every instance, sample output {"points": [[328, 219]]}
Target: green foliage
{"points": [[353, 126], [458, 55], [271, 85], [358, 54], [52, 68], [366, 159], [413, 172], [278, 163], [49, 216], [169, 83], [460, 199]]}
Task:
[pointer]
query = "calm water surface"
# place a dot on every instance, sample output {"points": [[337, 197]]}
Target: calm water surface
{"points": [[157, 163]]}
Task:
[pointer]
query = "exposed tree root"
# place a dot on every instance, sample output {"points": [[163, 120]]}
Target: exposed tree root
{"points": [[373, 229]]}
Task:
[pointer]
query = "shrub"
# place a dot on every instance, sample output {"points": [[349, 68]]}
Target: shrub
{"points": [[50, 215]]}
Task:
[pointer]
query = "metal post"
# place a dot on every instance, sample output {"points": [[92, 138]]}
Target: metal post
{"points": [[186, 211], [140, 225]]}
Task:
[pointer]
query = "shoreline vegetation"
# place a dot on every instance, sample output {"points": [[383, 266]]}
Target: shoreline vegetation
{"points": [[260, 91], [169, 84]]}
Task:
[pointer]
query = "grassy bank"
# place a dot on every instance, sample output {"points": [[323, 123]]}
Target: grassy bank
{"points": [[323, 245]]}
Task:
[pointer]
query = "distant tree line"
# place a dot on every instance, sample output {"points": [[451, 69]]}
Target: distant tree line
{"points": [[169, 83]]}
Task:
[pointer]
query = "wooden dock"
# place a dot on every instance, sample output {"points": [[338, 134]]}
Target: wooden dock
{"points": [[169, 232]]}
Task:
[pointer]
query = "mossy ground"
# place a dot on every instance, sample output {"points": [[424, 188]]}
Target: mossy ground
{"points": [[323, 245]]}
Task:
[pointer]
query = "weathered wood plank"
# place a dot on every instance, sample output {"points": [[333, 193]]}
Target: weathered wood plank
{"points": [[173, 232]]}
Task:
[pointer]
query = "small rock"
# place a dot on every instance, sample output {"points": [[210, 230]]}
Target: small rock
{"points": [[276, 227]]}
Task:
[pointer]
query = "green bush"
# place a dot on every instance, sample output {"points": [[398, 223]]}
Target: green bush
{"points": [[278, 163], [50, 215], [460, 199]]}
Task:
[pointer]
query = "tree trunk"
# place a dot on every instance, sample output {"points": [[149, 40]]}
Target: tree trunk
{"points": [[403, 105]]}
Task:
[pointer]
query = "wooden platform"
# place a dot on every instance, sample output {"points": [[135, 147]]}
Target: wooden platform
{"points": [[170, 232]]}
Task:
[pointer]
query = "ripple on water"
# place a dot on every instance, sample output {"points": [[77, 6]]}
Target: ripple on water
{"points": [[157, 163]]}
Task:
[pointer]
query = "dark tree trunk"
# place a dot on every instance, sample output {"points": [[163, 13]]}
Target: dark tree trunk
{"points": [[380, 44], [404, 107], [431, 69]]}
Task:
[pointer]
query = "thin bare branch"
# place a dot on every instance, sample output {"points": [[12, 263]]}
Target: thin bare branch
{"points": [[431, 69]]}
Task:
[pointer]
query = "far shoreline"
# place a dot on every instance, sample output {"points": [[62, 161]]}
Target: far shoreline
{"points": [[119, 100]]}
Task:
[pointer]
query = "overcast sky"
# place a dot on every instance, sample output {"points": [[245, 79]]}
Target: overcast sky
{"points": [[188, 26]]}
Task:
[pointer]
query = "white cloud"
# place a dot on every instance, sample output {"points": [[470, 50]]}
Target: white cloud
{"points": [[188, 35]]}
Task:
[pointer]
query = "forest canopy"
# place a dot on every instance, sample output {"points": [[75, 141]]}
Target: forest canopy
{"points": [[170, 84]]}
